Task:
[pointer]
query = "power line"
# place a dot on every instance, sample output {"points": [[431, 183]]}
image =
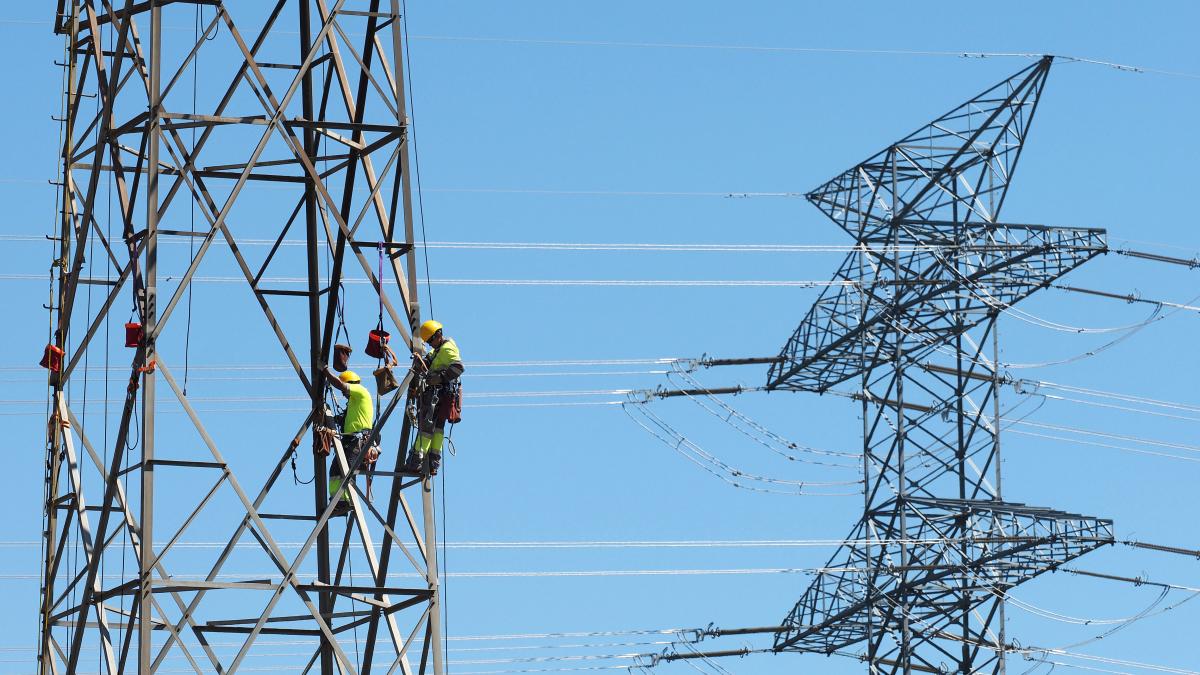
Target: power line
{"points": [[1114, 395], [476, 406], [802, 50], [1110, 406], [527, 574], [615, 544], [645, 247], [1079, 441], [741, 48], [511, 637], [1102, 434], [723, 194], [546, 363], [713, 465], [704, 283], [468, 396], [754, 430]]}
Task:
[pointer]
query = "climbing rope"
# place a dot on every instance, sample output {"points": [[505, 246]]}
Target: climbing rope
{"points": [[187, 339]]}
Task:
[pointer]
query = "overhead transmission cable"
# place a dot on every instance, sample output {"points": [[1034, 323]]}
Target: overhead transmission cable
{"points": [[778, 49], [618, 544], [806, 50], [1018, 649], [599, 247], [717, 467], [755, 431]]}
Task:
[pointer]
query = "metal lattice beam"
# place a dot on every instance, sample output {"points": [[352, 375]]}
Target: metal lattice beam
{"points": [[922, 586], [320, 122]]}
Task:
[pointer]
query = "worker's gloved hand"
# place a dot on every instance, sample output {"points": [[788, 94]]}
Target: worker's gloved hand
{"points": [[372, 454]]}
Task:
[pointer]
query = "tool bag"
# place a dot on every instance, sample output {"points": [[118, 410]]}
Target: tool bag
{"points": [[385, 379], [450, 402]]}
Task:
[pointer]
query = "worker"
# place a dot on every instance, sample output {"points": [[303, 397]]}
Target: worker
{"points": [[436, 396], [356, 428]]}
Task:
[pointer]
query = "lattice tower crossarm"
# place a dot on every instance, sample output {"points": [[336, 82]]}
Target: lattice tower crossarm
{"points": [[913, 326], [296, 123]]}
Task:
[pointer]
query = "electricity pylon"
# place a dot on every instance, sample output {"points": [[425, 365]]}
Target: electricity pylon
{"points": [[913, 327], [297, 123]]}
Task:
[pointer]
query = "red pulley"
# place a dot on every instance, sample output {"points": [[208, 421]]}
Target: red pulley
{"points": [[52, 359], [377, 343], [133, 334]]}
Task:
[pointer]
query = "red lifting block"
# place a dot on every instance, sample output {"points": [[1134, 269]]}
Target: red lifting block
{"points": [[377, 343], [52, 359], [133, 334]]}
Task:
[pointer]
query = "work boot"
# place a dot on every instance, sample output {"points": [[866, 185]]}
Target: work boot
{"points": [[435, 463], [413, 464]]}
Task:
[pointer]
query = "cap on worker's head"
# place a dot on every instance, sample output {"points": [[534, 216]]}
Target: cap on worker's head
{"points": [[429, 329], [349, 377]]}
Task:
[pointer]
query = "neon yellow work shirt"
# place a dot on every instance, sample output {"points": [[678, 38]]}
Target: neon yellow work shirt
{"points": [[446, 355], [360, 412]]}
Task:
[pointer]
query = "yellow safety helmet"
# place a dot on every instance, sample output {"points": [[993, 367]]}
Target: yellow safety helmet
{"points": [[428, 329], [349, 377]]}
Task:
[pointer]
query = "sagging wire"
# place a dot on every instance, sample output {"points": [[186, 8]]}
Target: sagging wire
{"points": [[999, 593], [1022, 421], [1145, 615], [1155, 318], [1035, 320], [1018, 384], [928, 458], [1008, 308], [731, 413], [1078, 621], [719, 468], [1011, 309]]}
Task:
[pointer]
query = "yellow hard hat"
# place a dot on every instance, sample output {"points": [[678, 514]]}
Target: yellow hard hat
{"points": [[428, 328], [349, 377]]}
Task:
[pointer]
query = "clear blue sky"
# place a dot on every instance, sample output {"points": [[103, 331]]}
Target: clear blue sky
{"points": [[508, 129]]}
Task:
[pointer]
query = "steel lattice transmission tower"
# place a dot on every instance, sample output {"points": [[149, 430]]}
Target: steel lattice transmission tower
{"points": [[913, 328], [297, 125]]}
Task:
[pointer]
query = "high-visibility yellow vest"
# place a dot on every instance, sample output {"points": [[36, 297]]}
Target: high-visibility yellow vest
{"points": [[446, 355], [360, 411]]}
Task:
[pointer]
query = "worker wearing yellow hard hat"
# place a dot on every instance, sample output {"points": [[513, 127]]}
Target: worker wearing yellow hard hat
{"points": [[360, 417], [440, 396], [428, 330]]}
